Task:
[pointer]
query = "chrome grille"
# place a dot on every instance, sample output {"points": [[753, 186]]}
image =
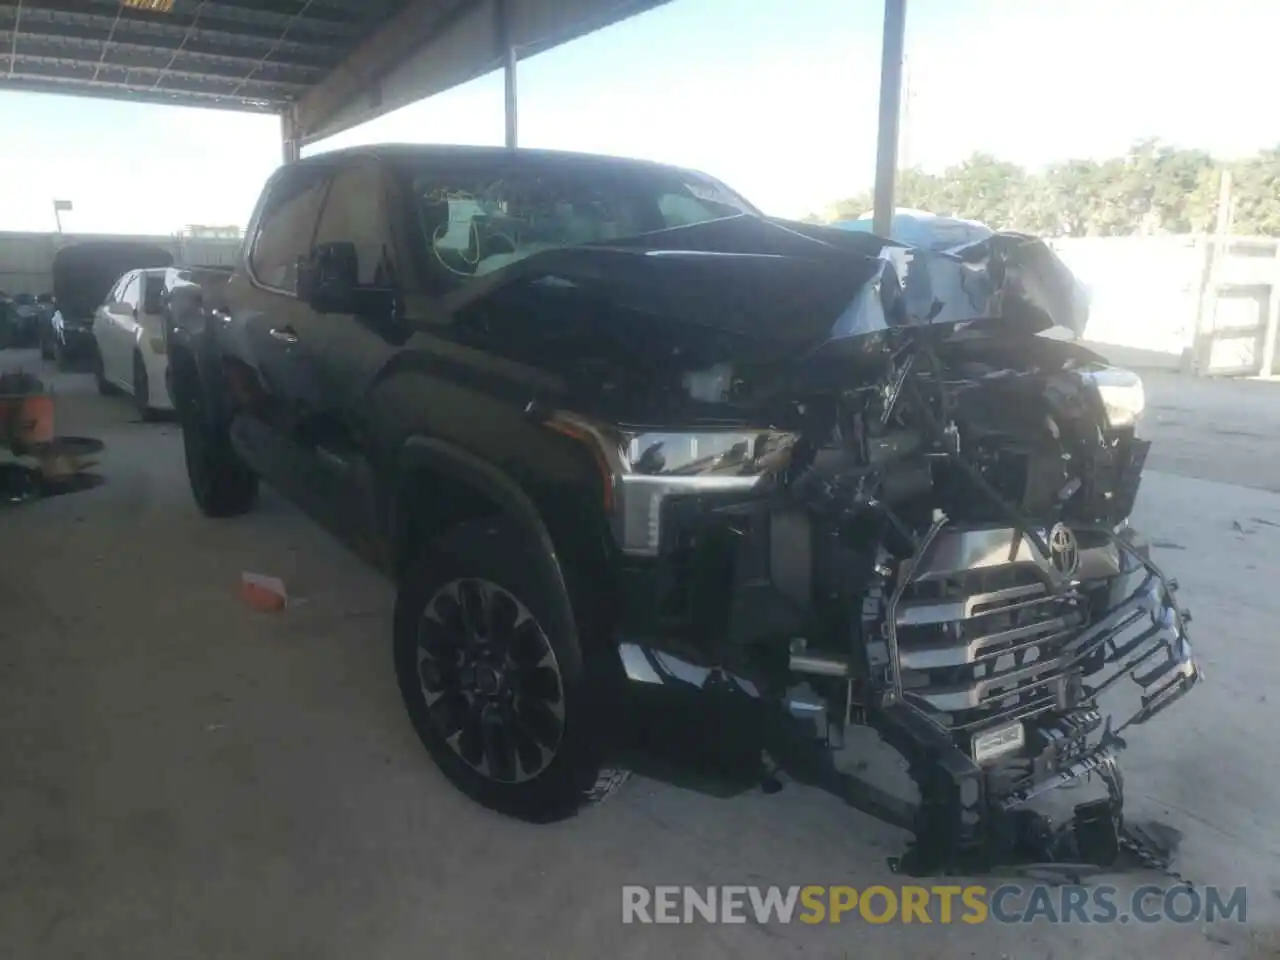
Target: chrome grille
{"points": [[984, 632]]}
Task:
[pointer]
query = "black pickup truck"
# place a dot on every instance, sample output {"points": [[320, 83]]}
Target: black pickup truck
{"points": [[659, 475]]}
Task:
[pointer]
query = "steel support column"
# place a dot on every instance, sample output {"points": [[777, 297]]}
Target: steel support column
{"points": [[510, 57], [291, 145], [509, 99], [895, 29]]}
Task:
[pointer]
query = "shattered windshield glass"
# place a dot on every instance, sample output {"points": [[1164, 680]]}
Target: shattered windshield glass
{"points": [[478, 219]]}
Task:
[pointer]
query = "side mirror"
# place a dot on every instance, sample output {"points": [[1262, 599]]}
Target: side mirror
{"points": [[329, 282]]}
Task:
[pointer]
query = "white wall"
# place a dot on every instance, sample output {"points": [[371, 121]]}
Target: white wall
{"points": [[1147, 292]]}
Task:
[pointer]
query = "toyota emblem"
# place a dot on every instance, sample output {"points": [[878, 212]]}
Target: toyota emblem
{"points": [[1064, 552]]}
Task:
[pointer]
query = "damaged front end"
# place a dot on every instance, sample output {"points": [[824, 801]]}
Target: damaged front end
{"points": [[917, 524]]}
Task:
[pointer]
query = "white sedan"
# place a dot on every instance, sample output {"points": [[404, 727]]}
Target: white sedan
{"points": [[129, 330]]}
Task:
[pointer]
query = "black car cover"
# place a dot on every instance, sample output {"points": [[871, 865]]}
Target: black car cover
{"points": [[84, 273]]}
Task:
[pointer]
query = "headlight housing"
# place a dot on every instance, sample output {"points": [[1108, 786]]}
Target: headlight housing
{"points": [[641, 470], [1122, 395], [656, 466]]}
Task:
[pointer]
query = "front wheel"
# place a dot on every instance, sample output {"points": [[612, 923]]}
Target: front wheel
{"points": [[493, 679], [221, 483]]}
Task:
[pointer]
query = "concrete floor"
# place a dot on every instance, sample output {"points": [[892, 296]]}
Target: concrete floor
{"points": [[180, 777]]}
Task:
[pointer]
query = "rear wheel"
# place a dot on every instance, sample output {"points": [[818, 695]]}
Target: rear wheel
{"points": [[105, 386], [493, 679], [221, 483]]}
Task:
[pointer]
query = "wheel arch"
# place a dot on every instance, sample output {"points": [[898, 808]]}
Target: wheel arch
{"points": [[187, 368], [184, 374], [464, 488]]}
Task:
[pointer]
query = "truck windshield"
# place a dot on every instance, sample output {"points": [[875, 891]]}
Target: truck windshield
{"points": [[475, 220]]}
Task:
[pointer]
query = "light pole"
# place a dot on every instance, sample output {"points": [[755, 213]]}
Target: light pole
{"points": [[891, 55], [59, 207]]}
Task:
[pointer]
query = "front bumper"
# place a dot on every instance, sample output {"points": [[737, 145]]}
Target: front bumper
{"points": [[76, 341], [1142, 636], [971, 817], [1136, 630]]}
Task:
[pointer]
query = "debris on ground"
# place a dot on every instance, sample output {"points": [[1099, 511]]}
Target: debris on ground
{"points": [[43, 464], [26, 411], [262, 593]]}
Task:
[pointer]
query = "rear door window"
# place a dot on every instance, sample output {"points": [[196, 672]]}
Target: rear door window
{"points": [[285, 229]]}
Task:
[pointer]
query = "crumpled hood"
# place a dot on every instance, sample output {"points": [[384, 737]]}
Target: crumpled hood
{"points": [[800, 288]]}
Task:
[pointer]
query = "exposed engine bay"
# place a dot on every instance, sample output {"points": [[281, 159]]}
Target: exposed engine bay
{"points": [[936, 548]]}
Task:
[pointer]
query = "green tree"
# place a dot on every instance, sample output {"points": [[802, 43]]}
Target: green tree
{"points": [[1255, 191], [984, 188], [1153, 188]]}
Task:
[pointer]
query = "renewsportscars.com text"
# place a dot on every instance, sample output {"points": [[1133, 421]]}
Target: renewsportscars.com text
{"points": [[1007, 904]]}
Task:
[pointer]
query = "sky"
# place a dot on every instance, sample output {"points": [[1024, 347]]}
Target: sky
{"points": [[775, 97]]}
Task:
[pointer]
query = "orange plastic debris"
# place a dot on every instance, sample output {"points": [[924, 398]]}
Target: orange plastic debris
{"points": [[26, 419], [262, 593]]}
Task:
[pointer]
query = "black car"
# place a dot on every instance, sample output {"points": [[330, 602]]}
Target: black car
{"points": [[8, 328], [24, 319], [661, 477], [83, 275]]}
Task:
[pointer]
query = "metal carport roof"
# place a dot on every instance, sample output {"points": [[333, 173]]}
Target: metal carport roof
{"points": [[325, 64], [247, 54]]}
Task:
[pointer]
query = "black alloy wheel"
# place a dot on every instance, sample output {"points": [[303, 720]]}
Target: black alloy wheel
{"points": [[490, 680], [495, 680]]}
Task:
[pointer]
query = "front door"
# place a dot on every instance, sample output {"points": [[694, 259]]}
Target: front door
{"points": [[351, 349], [272, 371], [114, 315], [125, 328]]}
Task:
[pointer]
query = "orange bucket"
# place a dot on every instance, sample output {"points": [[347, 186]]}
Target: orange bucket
{"points": [[26, 420]]}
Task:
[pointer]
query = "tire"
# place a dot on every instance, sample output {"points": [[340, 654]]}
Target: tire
{"points": [[221, 483], [142, 390], [539, 692]]}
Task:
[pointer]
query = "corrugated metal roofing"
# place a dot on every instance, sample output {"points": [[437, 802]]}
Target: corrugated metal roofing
{"points": [[246, 54]]}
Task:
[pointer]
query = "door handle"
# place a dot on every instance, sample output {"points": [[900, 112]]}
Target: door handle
{"points": [[284, 334]]}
